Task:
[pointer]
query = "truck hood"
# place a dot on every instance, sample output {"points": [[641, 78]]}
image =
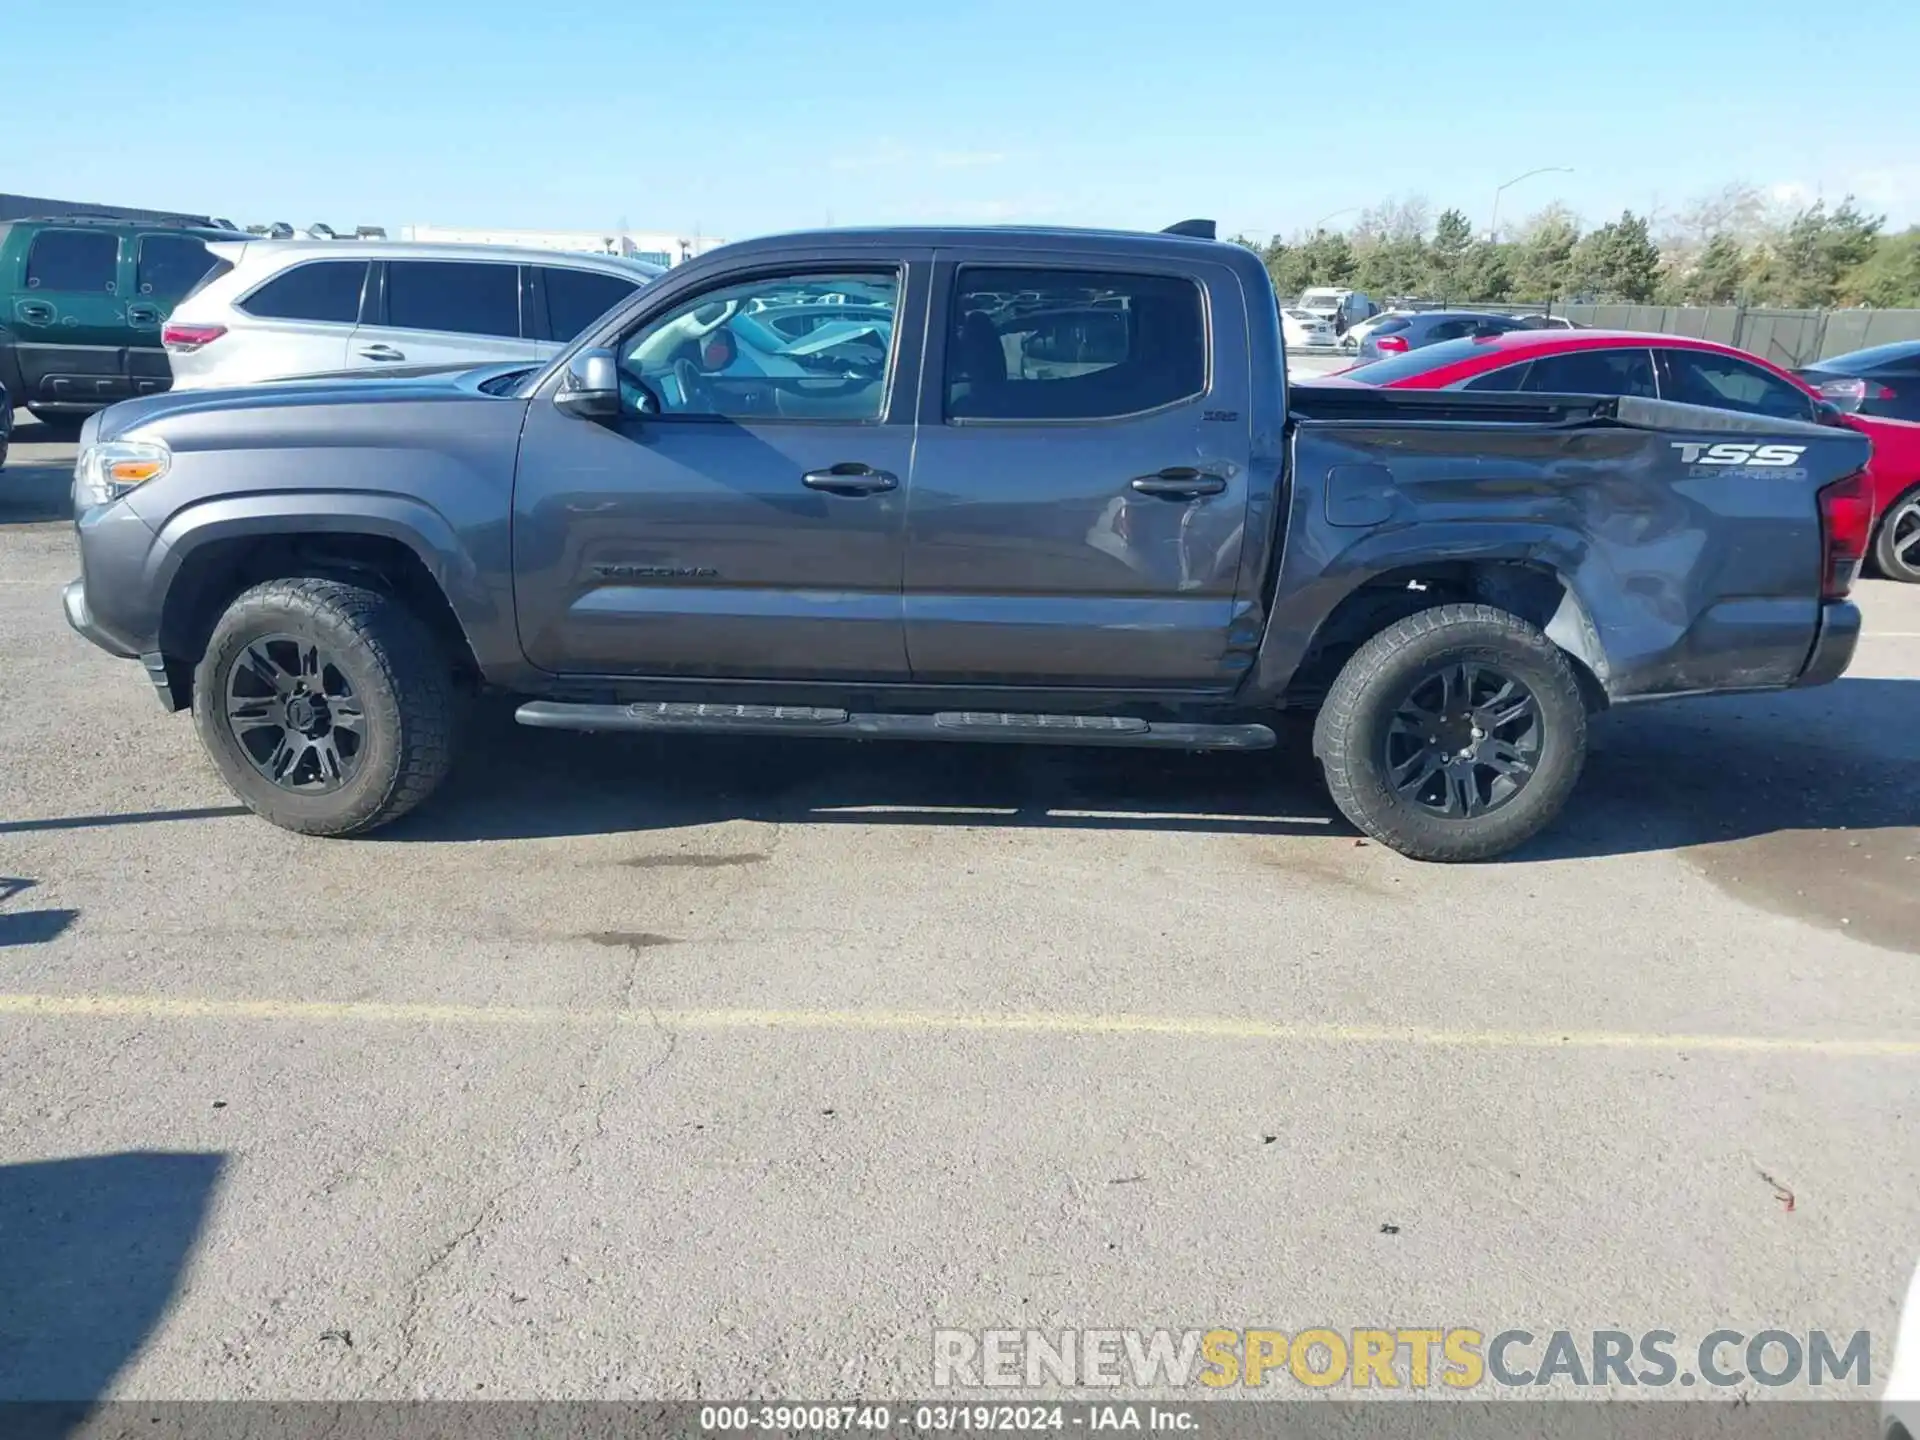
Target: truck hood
{"points": [[411, 386]]}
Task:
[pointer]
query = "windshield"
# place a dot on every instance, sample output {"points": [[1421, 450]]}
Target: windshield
{"points": [[1414, 362]]}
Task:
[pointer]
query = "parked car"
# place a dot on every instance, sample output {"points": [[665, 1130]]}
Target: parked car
{"points": [[1148, 548], [1548, 322], [1354, 334], [1304, 330], [277, 309], [1883, 380], [1397, 334], [1675, 367], [1339, 307], [82, 303]]}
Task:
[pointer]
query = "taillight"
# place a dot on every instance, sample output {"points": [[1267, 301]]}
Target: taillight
{"points": [[1846, 520], [188, 338], [1850, 392], [1390, 344]]}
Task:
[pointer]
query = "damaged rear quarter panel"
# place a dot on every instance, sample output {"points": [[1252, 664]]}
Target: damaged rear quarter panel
{"points": [[1686, 576]]}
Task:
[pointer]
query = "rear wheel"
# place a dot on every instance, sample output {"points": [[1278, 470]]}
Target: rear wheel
{"points": [[1455, 734], [1896, 549], [327, 707]]}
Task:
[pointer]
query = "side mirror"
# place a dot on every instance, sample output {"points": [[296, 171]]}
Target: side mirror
{"points": [[590, 390], [1825, 412]]}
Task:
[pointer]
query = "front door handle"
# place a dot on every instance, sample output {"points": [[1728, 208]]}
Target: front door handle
{"points": [[36, 312], [143, 314], [382, 352], [1180, 482], [850, 478]]}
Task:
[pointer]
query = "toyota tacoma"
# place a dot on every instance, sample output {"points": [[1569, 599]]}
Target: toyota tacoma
{"points": [[1019, 486]]}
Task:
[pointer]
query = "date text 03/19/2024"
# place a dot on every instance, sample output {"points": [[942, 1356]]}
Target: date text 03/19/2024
{"points": [[945, 1418]]}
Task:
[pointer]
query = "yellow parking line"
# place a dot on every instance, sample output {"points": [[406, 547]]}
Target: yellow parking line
{"points": [[1199, 1027]]}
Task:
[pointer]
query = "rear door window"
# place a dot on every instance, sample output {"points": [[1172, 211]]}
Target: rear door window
{"points": [[1072, 344], [325, 290], [170, 266], [1594, 372], [457, 297], [1702, 377], [577, 298], [73, 260]]}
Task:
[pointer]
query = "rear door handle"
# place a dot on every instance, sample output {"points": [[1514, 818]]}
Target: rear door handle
{"points": [[850, 478], [37, 312], [382, 352], [1180, 482], [143, 315]]}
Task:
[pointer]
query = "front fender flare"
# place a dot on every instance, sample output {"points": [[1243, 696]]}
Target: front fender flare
{"points": [[418, 526]]}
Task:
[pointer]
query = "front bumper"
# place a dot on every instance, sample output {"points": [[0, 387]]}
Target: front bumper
{"points": [[1833, 643], [80, 617]]}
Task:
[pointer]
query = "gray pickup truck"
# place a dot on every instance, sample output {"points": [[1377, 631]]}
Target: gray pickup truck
{"points": [[1030, 486]]}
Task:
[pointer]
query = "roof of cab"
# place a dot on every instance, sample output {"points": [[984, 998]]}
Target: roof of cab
{"points": [[987, 237]]}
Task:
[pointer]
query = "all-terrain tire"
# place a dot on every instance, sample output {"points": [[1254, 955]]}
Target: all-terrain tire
{"points": [[401, 675], [1350, 736]]}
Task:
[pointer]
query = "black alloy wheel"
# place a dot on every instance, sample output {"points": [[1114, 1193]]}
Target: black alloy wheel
{"points": [[1464, 741], [294, 715]]}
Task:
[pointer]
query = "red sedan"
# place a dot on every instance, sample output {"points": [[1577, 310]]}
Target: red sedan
{"points": [[1670, 367]]}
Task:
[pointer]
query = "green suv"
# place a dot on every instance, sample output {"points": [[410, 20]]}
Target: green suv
{"points": [[82, 300]]}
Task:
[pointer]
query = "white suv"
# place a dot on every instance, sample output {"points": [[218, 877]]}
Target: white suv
{"points": [[280, 309]]}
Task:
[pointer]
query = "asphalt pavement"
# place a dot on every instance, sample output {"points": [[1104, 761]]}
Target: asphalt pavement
{"points": [[634, 1068]]}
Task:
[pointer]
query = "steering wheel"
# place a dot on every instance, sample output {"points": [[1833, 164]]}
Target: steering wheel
{"points": [[694, 394]]}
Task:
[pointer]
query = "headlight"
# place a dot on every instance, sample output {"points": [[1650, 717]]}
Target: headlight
{"points": [[106, 472]]}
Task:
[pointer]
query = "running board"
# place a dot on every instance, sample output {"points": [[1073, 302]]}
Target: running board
{"points": [[974, 725]]}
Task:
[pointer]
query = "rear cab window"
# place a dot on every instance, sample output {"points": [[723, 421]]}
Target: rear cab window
{"points": [[73, 261], [1071, 344], [455, 297], [320, 291]]}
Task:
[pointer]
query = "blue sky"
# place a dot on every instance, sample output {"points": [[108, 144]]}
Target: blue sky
{"points": [[737, 117]]}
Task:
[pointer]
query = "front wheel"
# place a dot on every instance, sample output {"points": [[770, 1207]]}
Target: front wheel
{"points": [[1454, 735], [328, 708], [1896, 549]]}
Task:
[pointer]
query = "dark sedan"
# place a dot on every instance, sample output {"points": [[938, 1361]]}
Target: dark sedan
{"points": [[1397, 334], [1883, 380]]}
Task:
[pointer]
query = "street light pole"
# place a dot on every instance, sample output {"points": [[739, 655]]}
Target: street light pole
{"points": [[1493, 229]]}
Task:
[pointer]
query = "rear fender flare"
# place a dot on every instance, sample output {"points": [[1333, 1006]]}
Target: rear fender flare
{"points": [[1567, 620]]}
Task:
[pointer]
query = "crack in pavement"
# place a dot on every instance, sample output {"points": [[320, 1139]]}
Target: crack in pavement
{"points": [[417, 1286]]}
